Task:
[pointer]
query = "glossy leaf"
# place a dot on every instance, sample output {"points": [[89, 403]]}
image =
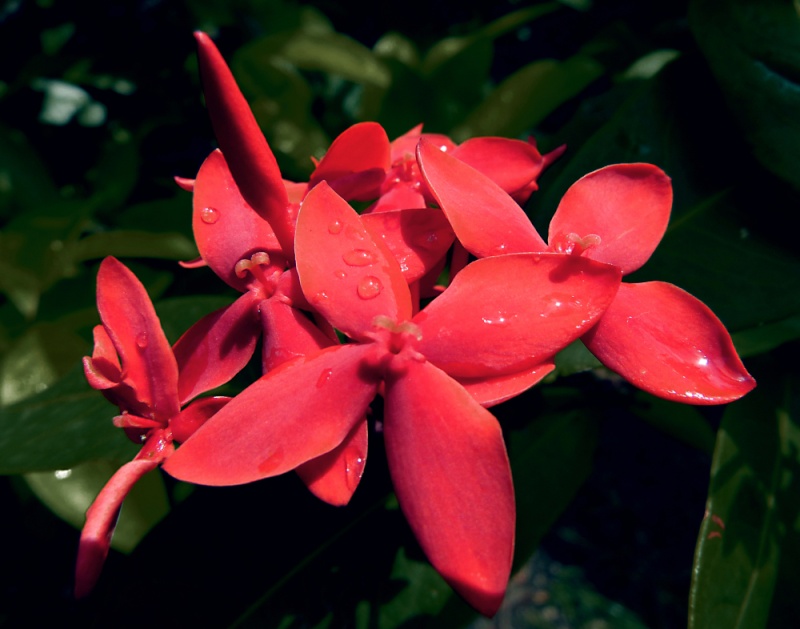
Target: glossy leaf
{"points": [[125, 243]]}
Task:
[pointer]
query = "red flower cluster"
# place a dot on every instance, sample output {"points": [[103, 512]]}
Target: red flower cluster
{"points": [[312, 271]]}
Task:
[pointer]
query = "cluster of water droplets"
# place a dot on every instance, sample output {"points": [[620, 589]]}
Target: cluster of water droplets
{"points": [[369, 286]]}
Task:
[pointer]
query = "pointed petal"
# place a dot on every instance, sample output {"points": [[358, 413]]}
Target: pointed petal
{"points": [[184, 183], [288, 334], [511, 164], [217, 347], [102, 370], [132, 324], [452, 478], [100, 521], [333, 477], [491, 391], [186, 423], [418, 239], [401, 195], [485, 219], [506, 314], [626, 205], [295, 413], [226, 229], [355, 165], [347, 276], [669, 343], [250, 159], [405, 146]]}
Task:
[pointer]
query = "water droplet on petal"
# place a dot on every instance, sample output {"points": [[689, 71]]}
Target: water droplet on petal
{"points": [[369, 287], [141, 340], [324, 377], [335, 227], [340, 274], [209, 215], [358, 257]]}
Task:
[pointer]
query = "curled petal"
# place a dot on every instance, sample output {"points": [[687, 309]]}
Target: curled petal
{"points": [[626, 205], [452, 478], [417, 238], [197, 263], [184, 183], [345, 274], [132, 324], [663, 340], [250, 159], [100, 521], [217, 347], [226, 229], [356, 162], [512, 164], [102, 370], [334, 476], [295, 413], [485, 219], [506, 314], [491, 391]]}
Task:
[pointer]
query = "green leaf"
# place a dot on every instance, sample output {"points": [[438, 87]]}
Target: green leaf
{"points": [[65, 425], [753, 479], [178, 314], [528, 96], [682, 421], [575, 358], [69, 493], [135, 244]]}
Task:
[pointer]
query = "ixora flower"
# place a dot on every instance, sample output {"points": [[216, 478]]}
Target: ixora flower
{"points": [[657, 336], [133, 366], [489, 336]]}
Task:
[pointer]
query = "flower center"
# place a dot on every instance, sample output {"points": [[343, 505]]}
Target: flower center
{"points": [[574, 244], [260, 268], [395, 344]]}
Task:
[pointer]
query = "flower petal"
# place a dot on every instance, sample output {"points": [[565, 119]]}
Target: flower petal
{"points": [[452, 478], [669, 343], [295, 413], [102, 370], [147, 360], [101, 519], [226, 229], [217, 347], [334, 476], [490, 391], [250, 159], [626, 205], [512, 164], [417, 238], [345, 274], [288, 334], [186, 423], [485, 219], [503, 315], [355, 165]]}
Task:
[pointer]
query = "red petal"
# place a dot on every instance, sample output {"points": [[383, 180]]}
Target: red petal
{"points": [[355, 165], [348, 277], [663, 340], [333, 477], [491, 391], [184, 183], [226, 229], [626, 205], [506, 314], [295, 413], [402, 195], [217, 347], [511, 164], [101, 518], [485, 219], [186, 423], [288, 334], [452, 478], [102, 370], [418, 239], [131, 322], [250, 159]]}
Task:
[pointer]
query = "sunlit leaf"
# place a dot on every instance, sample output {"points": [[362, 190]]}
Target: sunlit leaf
{"points": [[69, 493]]}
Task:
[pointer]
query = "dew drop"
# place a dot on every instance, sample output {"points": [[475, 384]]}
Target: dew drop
{"points": [[320, 297], [141, 340], [335, 227], [340, 274], [324, 377], [369, 287], [358, 257], [209, 215]]}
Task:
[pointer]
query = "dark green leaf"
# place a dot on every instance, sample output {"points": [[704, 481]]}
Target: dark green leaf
{"points": [[135, 244]]}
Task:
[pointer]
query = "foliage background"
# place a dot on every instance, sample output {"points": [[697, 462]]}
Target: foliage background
{"points": [[612, 484]]}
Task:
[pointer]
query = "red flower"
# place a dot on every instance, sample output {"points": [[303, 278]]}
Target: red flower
{"points": [[134, 367], [480, 341], [654, 334]]}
